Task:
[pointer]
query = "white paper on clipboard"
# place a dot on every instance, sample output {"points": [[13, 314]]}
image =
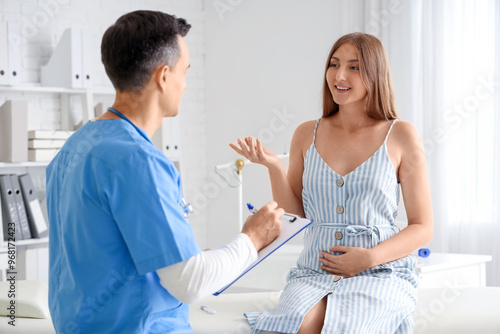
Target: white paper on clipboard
{"points": [[290, 227]]}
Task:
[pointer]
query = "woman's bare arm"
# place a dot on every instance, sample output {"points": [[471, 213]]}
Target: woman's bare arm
{"points": [[286, 187]]}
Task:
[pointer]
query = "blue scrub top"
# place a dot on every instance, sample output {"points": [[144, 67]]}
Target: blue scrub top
{"points": [[114, 206]]}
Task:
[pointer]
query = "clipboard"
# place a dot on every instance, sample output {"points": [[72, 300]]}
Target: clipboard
{"points": [[290, 227]]}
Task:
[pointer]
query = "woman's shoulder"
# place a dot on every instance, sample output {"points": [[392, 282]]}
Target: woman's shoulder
{"points": [[304, 134], [406, 134], [307, 126], [305, 130]]}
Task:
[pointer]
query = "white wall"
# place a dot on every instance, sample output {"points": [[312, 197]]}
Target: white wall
{"points": [[264, 75]]}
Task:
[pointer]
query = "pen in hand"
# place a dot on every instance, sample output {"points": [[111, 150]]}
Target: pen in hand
{"points": [[253, 210]]}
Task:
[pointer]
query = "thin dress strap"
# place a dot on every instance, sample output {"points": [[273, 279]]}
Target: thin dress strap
{"points": [[315, 128], [390, 128]]}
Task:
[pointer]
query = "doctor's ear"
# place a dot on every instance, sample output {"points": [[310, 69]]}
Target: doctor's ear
{"points": [[161, 75]]}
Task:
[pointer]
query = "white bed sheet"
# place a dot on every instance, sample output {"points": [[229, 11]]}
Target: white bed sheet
{"points": [[449, 310]]}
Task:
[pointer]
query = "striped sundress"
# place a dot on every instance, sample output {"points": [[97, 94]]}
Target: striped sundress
{"points": [[355, 210]]}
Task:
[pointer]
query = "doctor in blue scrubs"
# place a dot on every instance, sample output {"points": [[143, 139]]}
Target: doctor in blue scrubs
{"points": [[123, 258]]}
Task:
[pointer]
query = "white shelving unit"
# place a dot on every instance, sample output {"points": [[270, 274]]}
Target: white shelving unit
{"points": [[25, 249], [86, 95], [166, 139], [87, 99], [36, 169]]}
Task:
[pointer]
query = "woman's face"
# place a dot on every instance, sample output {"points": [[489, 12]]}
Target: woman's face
{"points": [[343, 77]]}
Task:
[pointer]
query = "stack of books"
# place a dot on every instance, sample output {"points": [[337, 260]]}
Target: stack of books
{"points": [[43, 145]]}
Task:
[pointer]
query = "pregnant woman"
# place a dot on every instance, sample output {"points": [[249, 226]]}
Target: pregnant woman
{"points": [[356, 273]]}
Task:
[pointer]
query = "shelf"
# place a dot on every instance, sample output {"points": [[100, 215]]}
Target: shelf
{"points": [[86, 95], [28, 243], [58, 90], [24, 164], [33, 242]]}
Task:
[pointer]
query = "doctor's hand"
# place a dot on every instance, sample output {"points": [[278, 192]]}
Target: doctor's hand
{"points": [[264, 226], [353, 261], [253, 150]]}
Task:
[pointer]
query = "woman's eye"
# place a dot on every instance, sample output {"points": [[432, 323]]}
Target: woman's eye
{"points": [[334, 65], [354, 68]]}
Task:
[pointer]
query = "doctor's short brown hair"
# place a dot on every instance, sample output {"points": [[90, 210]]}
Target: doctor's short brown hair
{"points": [[137, 43]]}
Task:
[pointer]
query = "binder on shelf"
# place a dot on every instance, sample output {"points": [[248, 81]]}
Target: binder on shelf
{"points": [[37, 223], [9, 208], [10, 53], [4, 55], [71, 62], [14, 45], [21, 210], [13, 131], [167, 138], [86, 58]]}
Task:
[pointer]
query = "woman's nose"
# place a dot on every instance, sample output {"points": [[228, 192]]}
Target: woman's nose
{"points": [[340, 75]]}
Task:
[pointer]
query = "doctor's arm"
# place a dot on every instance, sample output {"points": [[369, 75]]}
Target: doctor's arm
{"points": [[209, 271]]}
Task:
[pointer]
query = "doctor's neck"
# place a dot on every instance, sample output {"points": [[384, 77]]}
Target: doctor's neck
{"points": [[141, 108]]}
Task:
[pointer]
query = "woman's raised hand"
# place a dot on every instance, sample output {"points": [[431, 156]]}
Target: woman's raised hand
{"points": [[253, 150]]}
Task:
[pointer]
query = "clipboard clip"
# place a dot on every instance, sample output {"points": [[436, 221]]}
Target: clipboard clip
{"points": [[291, 216]]}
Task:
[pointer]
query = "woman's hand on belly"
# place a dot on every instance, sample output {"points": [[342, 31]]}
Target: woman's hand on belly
{"points": [[351, 262]]}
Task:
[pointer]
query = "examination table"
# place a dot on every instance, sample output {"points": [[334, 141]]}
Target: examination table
{"points": [[443, 311], [448, 310]]}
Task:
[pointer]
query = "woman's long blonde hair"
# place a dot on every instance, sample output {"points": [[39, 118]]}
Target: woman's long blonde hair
{"points": [[375, 73]]}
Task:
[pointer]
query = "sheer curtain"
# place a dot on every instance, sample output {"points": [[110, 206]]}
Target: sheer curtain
{"points": [[473, 128], [445, 59]]}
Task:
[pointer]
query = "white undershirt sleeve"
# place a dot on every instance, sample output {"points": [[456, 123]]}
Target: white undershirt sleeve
{"points": [[209, 271]]}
